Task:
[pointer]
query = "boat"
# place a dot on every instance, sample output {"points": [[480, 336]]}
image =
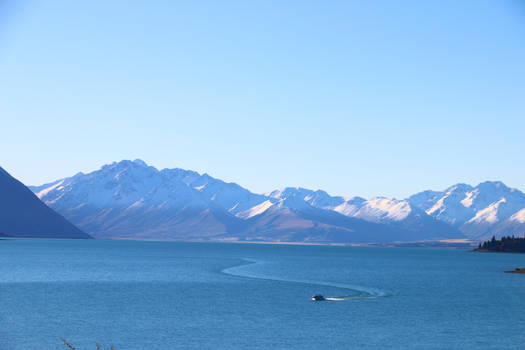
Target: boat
{"points": [[318, 297]]}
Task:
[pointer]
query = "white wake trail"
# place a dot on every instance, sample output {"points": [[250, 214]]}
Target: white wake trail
{"points": [[365, 292]]}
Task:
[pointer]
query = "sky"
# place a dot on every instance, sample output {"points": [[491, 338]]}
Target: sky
{"points": [[368, 98]]}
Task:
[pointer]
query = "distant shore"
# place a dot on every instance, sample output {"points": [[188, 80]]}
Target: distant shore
{"points": [[503, 245], [448, 243]]}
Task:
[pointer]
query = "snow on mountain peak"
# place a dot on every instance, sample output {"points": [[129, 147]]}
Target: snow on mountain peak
{"points": [[289, 191], [491, 206], [492, 184], [519, 216], [489, 214], [45, 191], [316, 198], [350, 206], [381, 208], [460, 187], [437, 206], [469, 199], [256, 210]]}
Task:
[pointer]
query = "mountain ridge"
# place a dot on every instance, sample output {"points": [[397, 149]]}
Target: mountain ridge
{"points": [[130, 199]]}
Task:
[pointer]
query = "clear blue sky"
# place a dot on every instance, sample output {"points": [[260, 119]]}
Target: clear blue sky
{"points": [[356, 98]]}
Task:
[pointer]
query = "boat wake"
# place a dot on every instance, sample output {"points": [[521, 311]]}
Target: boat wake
{"points": [[357, 292]]}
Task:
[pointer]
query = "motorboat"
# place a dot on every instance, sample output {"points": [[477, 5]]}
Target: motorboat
{"points": [[318, 297]]}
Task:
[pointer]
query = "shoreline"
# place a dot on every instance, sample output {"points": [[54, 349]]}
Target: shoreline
{"points": [[494, 251], [463, 244]]}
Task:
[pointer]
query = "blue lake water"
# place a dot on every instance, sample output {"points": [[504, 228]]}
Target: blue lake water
{"points": [[167, 295]]}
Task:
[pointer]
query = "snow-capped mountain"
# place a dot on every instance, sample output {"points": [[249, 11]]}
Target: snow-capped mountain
{"points": [[391, 212], [130, 199], [489, 208]]}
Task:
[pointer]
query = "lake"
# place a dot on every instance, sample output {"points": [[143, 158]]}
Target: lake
{"points": [[172, 295]]}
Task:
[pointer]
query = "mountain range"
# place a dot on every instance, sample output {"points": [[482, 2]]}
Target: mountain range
{"points": [[22, 214], [131, 200]]}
